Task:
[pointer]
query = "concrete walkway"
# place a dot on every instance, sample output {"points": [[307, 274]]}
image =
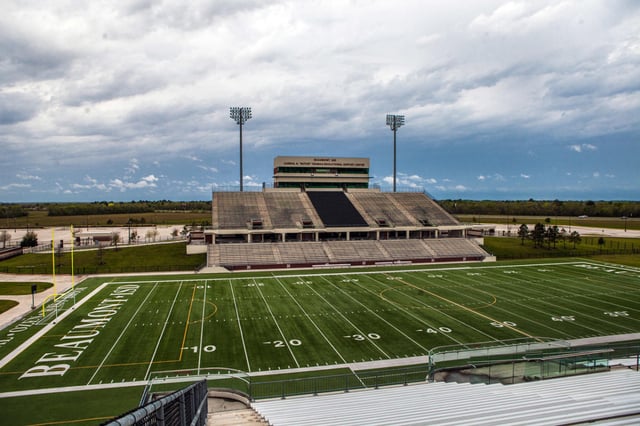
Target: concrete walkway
{"points": [[63, 283]]}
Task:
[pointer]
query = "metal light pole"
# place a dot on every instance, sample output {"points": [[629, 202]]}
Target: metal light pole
{"points": [[240, 115], [394, 121]]}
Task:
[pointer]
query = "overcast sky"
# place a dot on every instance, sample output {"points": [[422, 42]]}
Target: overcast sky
{"points": [[129, 100]]}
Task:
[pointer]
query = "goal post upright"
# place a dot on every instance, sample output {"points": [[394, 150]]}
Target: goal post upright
{"points": [[73, 286], [53, 261]]}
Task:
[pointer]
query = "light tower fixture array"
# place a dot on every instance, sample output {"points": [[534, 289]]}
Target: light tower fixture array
{"points": [[394, 122], [240, 115]]}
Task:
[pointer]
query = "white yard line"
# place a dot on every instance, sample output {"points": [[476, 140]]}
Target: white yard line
{"points": [[362, 333], [122, 334], [166, 322], [284, 339], [312, 321], [378, 316], [204, 305], [244, 346], [421, 320]]}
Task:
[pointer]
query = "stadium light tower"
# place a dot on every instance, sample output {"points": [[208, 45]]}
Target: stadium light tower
{"points": [[394, 121], [240, 115]]}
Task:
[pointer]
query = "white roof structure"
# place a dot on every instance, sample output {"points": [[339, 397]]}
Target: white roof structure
{"points": [[611, 398]]}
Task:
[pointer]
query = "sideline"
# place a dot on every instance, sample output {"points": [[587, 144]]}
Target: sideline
{"points": [[354, 367], [11, 355], [18, 312]]}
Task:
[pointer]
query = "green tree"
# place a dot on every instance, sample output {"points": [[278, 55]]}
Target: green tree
{"points": [[523, 232], [575, 238], [552, 235], [30, 239], [538, 235]]}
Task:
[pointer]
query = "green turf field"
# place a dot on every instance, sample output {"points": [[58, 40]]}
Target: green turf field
{"points": [[126, 330]]}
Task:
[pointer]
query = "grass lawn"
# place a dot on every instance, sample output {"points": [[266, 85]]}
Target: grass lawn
{"points": [[22, 288], [40, 218], [5, 305], [77, 408], [152, 257], [513, 248]]}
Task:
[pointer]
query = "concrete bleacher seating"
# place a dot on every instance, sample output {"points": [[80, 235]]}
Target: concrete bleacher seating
{"points": [[353, 251], [376, 205], [422, 207], [288, 209], [454, 247], [407, 249], [344, 252], [309, 253], [246, 254], [278, 218], [612, 395], [233, 210]]}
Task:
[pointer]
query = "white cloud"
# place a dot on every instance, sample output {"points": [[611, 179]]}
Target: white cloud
{"points": [[125, 85], [495, 177], [208, 169], [524, 176], [15, 186], [583, 147], [145, 182], [133, 167], [25, 176]]}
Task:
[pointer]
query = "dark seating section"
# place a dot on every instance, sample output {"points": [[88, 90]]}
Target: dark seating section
{"points": [[335, 209]]}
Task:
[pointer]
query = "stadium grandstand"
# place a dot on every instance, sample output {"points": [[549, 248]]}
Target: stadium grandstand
{"points": [[321, 212]]}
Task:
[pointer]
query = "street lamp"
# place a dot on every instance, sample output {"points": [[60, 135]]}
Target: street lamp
{"points": [[394, 121], [240, 115]]}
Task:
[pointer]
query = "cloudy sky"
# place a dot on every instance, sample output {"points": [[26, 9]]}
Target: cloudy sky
{"points": [[128, 100]]}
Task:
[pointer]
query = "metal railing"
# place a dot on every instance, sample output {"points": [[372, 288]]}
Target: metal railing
{"points": [[184, 407]]}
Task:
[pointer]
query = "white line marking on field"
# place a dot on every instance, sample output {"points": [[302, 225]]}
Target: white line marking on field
{"points": [[284, 339], [204, 305], [146, 375], [378, 316], [122, 334], [244, 346], [312, 321], [347, 320]]}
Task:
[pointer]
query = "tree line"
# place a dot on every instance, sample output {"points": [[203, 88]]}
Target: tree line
{"points": [[16, 210], [548, 236], [12, 210], [543, 208]]}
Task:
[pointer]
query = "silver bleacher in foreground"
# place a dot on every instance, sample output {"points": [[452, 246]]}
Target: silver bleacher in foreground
{"points": [[612, 395]]}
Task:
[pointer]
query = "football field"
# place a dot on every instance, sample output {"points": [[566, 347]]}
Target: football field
{"points": [[130, 329]]}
